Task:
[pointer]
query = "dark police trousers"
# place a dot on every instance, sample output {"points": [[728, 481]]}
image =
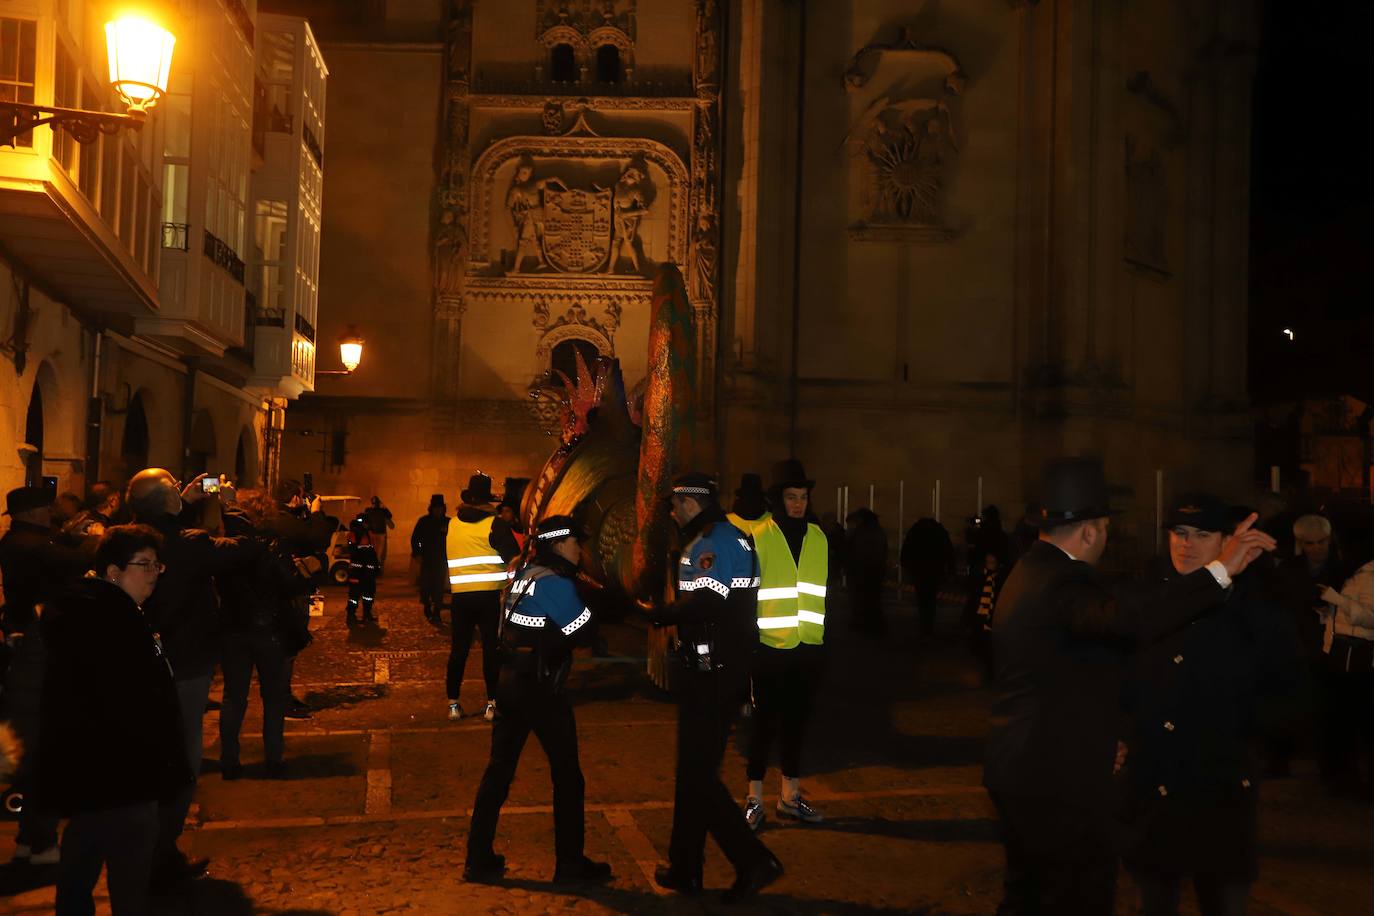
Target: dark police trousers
{"points": [[1060, 860], [483, 611], [526, 707], [701, 803]]}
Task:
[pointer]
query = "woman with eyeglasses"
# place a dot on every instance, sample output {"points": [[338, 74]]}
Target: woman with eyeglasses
{"points": [[110, 727]]}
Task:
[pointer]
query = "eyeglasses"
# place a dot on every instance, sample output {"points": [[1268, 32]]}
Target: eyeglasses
{"points": [[152, 566]]}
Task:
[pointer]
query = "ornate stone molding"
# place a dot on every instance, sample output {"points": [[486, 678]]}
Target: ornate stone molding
{"points": [[539, 99], [624, 149], [908, 234]]}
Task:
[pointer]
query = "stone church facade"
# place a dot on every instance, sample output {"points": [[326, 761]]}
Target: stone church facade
{"points": [[933, 241]]}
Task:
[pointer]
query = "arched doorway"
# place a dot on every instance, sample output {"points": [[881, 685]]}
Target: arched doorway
{"points": [[246, 460], [33, 437], [202, 448], [133, 446]]}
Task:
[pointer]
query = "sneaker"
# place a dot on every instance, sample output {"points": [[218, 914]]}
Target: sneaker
{"points": [[455, 712], [799, 810], [50, 856], [753, 813], [490, 712]]}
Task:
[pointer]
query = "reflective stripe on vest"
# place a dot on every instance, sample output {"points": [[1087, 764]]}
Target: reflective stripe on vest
{"points": [[791, 603], [472, 567]]}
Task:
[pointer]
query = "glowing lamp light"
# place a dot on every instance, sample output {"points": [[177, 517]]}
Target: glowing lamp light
{"points": [[1288, 332], [350, 350], [140, 60]]}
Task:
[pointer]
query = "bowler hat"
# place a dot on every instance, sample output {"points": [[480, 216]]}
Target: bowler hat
{"points": [[1071, 490], [478, 492], [437, 499], [790, 473], [514, 492], [24, 499], [750, 487], [1202, 511]]}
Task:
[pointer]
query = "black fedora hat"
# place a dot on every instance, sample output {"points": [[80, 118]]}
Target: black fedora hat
{"points": [[750, 486], [437, 499], [790, 473], [1071, 490], [478, 492]]}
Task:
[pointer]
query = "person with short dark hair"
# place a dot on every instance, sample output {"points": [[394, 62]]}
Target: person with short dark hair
{"points": [[185, 613], [379, 524], [111, 725], [544, 618]]}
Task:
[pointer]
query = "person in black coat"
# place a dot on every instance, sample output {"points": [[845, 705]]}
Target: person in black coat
{"points": [[265, 624], [1196, 699], [185, 613], [1060, 639], [111, 725], [927, 558], [34, 567], [427, 544]]}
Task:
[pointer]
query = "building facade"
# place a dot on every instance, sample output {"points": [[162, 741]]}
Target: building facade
{"points": [[126, 302], [927, 245]]}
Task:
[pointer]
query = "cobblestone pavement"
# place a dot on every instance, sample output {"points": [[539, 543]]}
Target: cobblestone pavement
{"points": [[373, 816]]}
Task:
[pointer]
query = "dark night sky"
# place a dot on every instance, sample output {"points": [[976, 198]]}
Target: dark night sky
{"points": [[1311, 235]]}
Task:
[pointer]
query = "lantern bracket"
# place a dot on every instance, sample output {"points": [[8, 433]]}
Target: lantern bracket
{"points": [[17, 118]]}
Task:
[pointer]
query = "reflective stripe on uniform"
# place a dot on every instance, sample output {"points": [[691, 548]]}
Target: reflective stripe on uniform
{"points": [[582, 618], [479, 577], [777, 594], [704, 582], [745, 583], [806, 588], [810, 617], [525, 620], [777, 623], [474, 561]]}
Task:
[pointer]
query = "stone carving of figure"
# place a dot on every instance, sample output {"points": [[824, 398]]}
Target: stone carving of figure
{"points": [[448, 255], [704, 258], [630, 203], [525, 202], [459, 40], [707, 21]]}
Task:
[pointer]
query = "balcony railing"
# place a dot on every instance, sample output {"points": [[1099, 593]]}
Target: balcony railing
{"points": [[312, 144], [270, 318], [305, 328], [177, 236], [239, 14], [223, 256]]}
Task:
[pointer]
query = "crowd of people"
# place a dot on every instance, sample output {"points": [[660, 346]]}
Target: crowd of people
{"points": [[115, 616], [1132, 718]]}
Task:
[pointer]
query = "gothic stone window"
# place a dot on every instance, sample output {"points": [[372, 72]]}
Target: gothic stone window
{"points": [[563, 64], [608, 69]]}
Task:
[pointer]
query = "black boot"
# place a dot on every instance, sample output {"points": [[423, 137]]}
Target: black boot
{"points": [[754, 879], [585, 872], [665, 877]]}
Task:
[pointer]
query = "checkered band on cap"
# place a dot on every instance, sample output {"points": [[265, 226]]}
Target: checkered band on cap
{"points": [[555, 533], [693, 491]]}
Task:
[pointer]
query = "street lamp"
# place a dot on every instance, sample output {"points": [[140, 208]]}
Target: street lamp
{"points": [[140, 55], [350, 353]]}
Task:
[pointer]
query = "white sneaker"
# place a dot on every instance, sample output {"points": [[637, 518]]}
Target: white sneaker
{"points": [[455, 712], [50, 856], [753, 812], [490, 712], [799, 810]]}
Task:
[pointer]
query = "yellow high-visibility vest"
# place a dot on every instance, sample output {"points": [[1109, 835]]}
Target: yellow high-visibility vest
{"points": [[791, 607], [473, 565]]}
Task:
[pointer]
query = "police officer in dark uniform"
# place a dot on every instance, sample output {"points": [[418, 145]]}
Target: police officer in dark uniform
{"points": [[715, 614], [543, 618]]}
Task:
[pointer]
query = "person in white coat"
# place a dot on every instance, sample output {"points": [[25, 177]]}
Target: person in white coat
{"points": [[1348, 653]]}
